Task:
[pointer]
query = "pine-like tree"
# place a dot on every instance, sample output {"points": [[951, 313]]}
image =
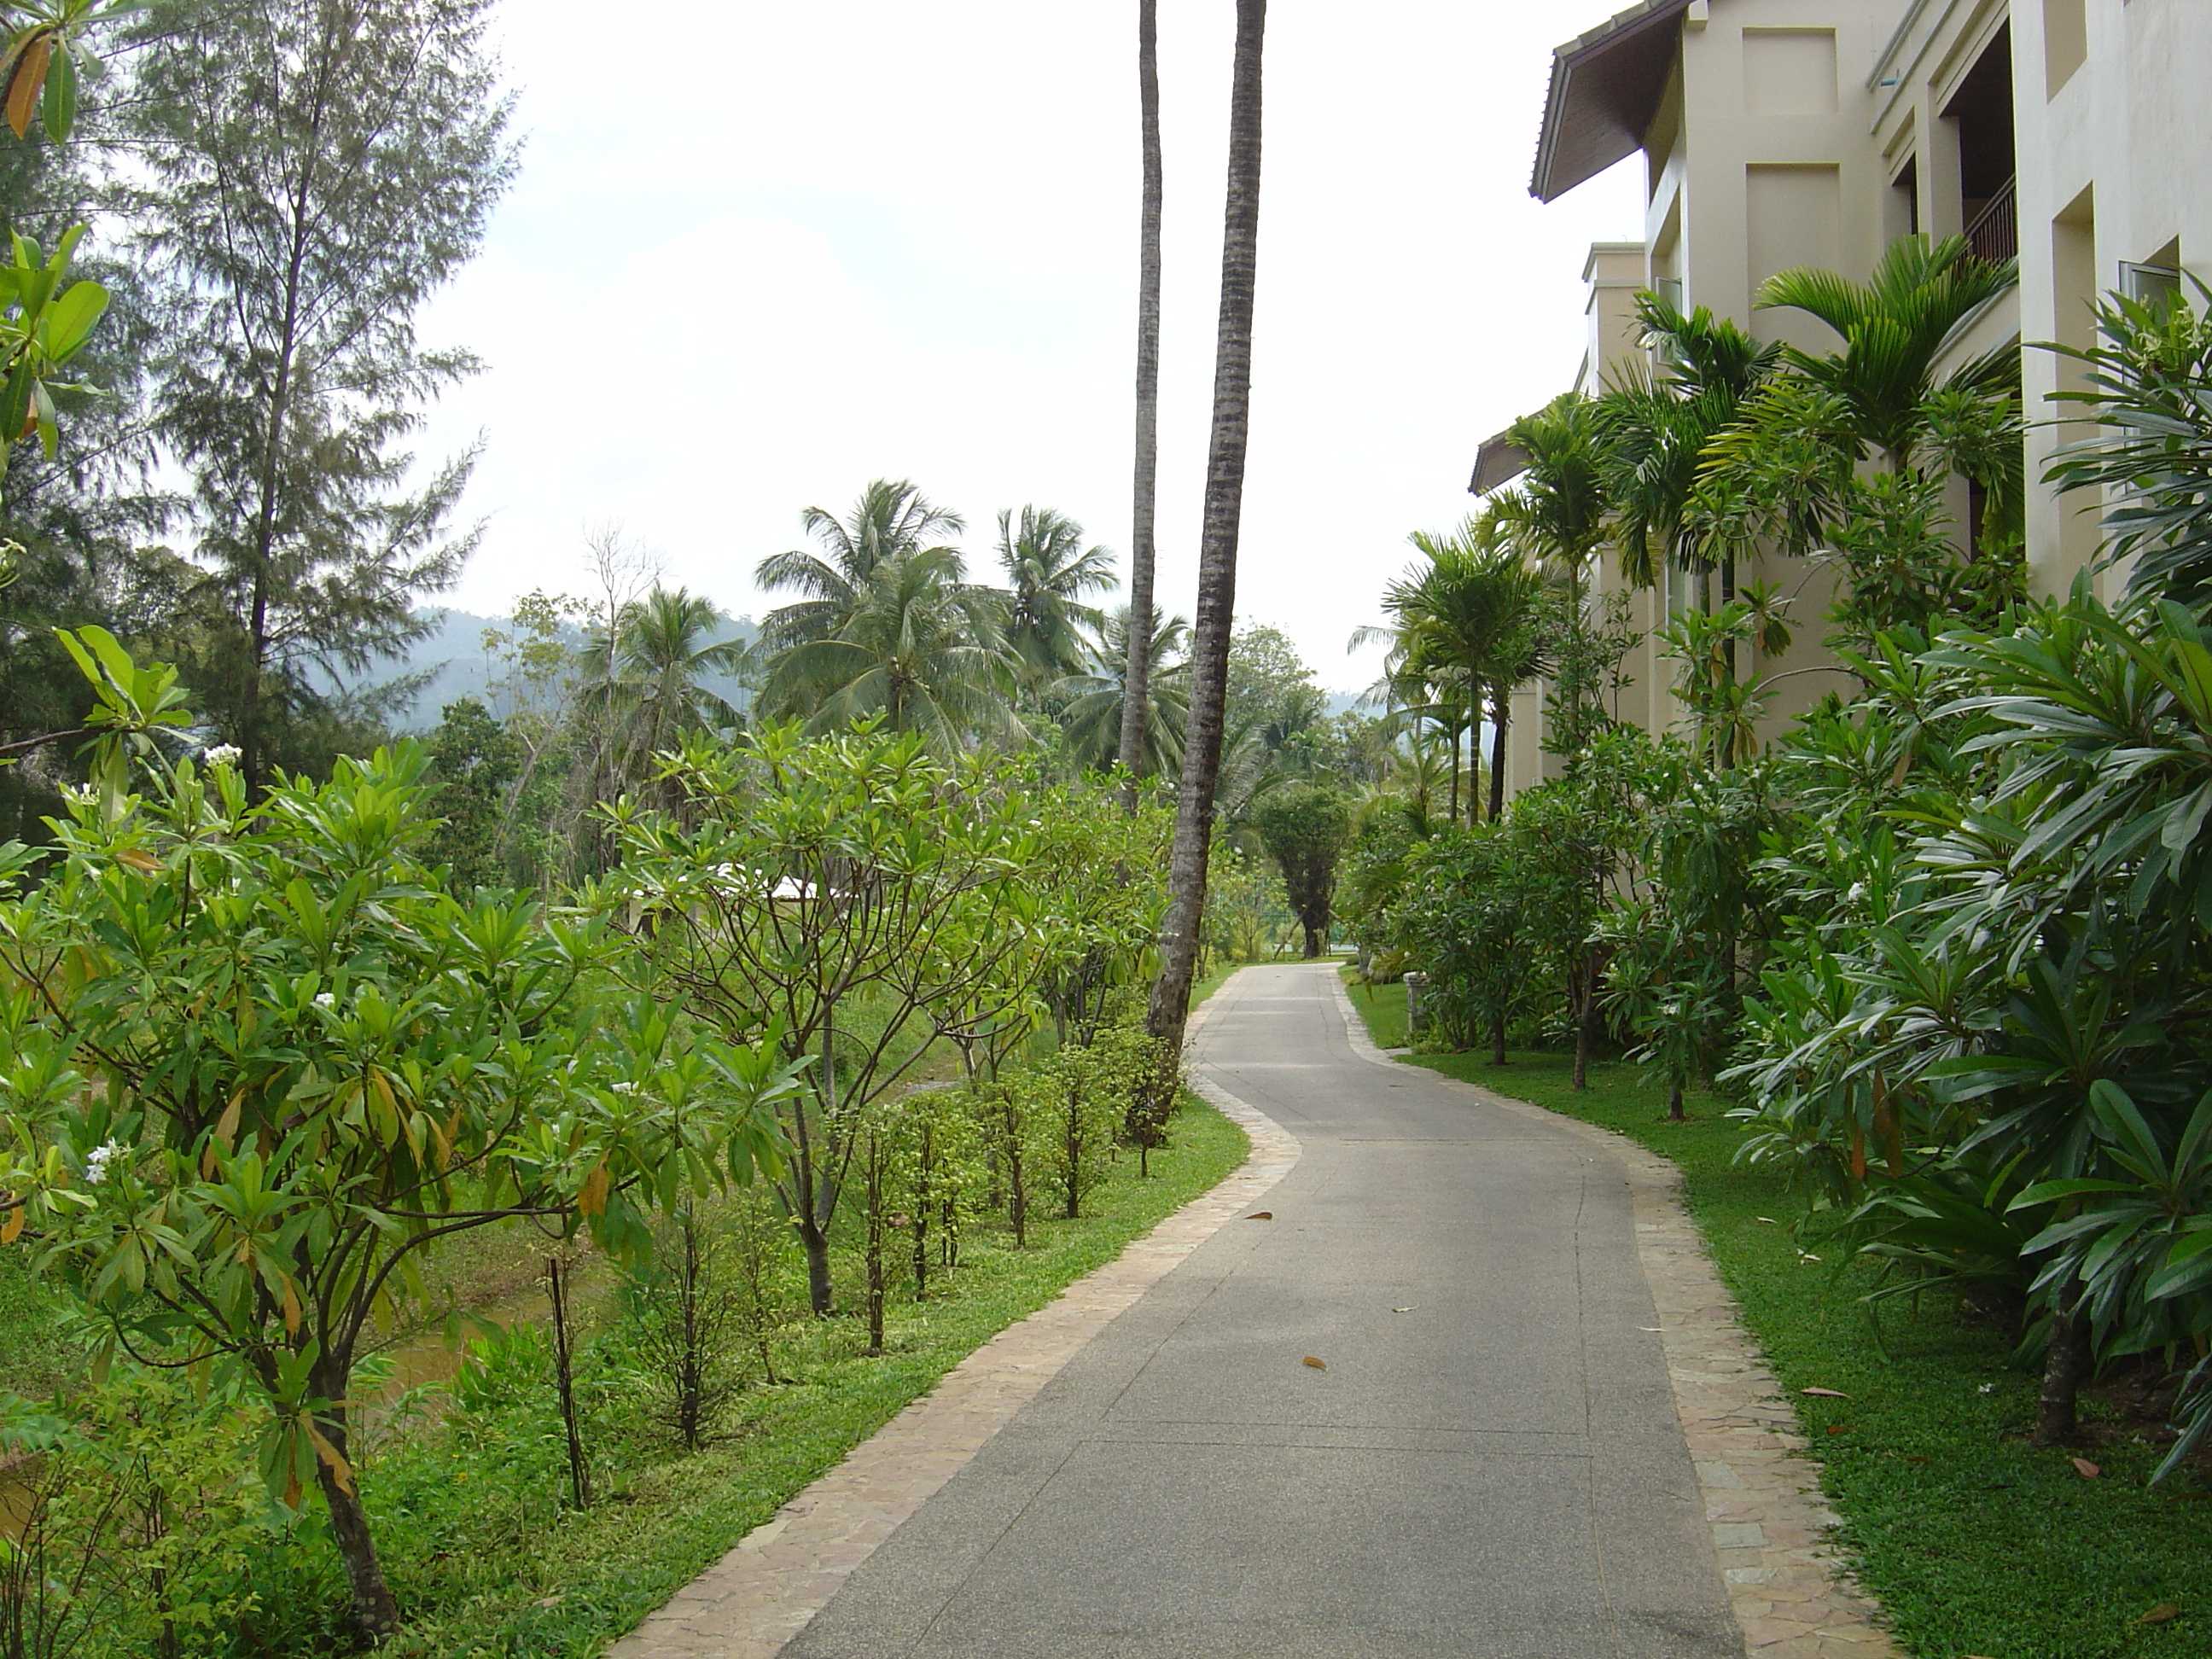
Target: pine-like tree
{"points": [[317, 169]]}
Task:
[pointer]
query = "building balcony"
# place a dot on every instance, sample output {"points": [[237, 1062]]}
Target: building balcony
{"points": [[1994, 233]]}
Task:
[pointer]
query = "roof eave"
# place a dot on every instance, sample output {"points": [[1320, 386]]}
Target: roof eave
{"points": [[1642, 27]]}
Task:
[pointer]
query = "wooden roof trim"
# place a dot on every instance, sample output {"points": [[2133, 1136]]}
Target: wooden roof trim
{"points": [[1606, 87]]}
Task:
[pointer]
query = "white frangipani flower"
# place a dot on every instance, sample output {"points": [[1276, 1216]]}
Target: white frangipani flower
{"points": [[223, 754], [1857, 895], [97, 1160], [81, 794], [324, 999]]}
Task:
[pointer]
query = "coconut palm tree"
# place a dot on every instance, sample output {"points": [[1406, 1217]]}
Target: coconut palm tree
{"points": [[1048, 570], [891, 519], [646, 681], [1134, 747], [919, 648], [1094, 718], [1218, 537]]}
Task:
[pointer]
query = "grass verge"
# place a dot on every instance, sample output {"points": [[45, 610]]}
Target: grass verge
{"points": [[481, 1582], [1974, 1542]]}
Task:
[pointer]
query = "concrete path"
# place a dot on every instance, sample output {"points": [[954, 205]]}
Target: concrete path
{"points": [[1490, 1464]]}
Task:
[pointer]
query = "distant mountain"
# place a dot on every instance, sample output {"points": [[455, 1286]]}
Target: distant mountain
{"points": [[453, 653]]}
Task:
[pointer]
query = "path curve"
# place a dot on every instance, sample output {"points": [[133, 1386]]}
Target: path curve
{"points": [[1444, 1403]]}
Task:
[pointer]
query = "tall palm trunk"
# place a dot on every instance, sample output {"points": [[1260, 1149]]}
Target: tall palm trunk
{"points": [[1137, 676], [1499, 707], [1474, 751], [1217, 548]]}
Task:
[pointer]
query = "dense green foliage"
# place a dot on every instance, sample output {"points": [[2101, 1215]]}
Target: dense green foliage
{"points": [[1946, 935]]}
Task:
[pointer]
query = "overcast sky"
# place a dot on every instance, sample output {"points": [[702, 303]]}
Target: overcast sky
{"points": [[758, 255]]}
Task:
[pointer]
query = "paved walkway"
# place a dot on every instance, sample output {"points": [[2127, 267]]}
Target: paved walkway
{"points": [[1431, 1408]]}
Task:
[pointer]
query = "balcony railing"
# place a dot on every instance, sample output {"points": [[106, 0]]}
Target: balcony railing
{"points": [[1995, 234]]}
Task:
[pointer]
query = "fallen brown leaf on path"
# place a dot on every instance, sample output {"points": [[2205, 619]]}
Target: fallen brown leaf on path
{"points": [[2085, 1468], [1260, 1215], [1825, 1393], [1401, 1311], [2165, 1612], [1318, 1364]]}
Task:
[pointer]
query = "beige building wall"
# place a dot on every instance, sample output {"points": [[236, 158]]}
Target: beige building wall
{"points": [[2111, 136], [2114, 117], [1791, 132]]}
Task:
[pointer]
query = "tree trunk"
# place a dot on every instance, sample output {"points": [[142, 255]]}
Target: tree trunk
{"points": [[564, 1381], [1584, 1004], [815, 1239], [1498, 1039], [373, 1609], [817, 1197], [1674, 1112], [1137, 674], [923, 1196], [2065, 1367], [1217, 552], [875, 1243], [1474, 755], [1451, 810], [1497, 711]]}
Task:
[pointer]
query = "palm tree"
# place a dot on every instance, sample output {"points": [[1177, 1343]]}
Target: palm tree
{"points": [[891, 519], [1657, 432], [919, 648], [648, 677], [1896, 327], [1048, 570], [1095, 718], [1134, 748], [1216, 546], [1559, 515], [1466, 628]]}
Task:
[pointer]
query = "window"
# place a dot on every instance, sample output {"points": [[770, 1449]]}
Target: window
{"points": [[2154, 283]]}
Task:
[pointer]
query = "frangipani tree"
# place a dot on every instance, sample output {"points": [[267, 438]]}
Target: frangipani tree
{"points": [[256, 1061], [845, 899]]}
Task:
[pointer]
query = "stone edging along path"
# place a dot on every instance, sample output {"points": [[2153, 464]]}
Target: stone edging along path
{"points": [[1761, 1492], [759, 1595]]}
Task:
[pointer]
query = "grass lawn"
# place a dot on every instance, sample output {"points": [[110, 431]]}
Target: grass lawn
{"points": [[1976, 1543]]}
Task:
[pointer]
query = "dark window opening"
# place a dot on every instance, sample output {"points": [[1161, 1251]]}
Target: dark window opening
{"points": [[1907, 186], [1981, 111]]}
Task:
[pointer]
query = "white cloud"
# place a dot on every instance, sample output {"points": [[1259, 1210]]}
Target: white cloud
{"points": [[762, 255]]}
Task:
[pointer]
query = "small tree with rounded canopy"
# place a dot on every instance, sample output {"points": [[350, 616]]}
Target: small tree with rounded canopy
{"points": [[1306, 828]]}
